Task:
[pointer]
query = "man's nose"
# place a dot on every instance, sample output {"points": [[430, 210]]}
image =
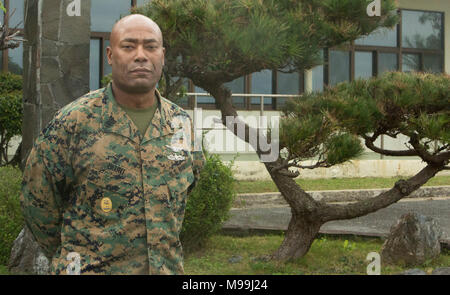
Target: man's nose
{"points": [[140, 54]]}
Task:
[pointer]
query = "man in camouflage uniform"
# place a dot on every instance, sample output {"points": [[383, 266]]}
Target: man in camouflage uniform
{"points": [[97, 192]]}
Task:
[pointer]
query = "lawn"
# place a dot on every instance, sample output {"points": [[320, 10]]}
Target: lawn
{"points": [[332, 184], [328, 255]]}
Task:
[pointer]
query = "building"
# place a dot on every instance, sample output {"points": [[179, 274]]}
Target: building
{"points": [[418, 43]]}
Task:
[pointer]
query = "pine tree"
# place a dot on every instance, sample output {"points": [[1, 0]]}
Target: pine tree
{"points": [[212, 42]]}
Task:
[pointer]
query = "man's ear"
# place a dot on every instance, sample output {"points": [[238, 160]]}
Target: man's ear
{"points": [[164, 55], [109, 55]]}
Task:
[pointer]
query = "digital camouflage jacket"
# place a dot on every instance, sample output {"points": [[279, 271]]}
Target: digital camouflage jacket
{"points": [[95, 195]]}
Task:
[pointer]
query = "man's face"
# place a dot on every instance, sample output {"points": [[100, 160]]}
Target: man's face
{"points": [[136, 55]]}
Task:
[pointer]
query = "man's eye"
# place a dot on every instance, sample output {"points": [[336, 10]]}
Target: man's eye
{"points": [[127, 46]]}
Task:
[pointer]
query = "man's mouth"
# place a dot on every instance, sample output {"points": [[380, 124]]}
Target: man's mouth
{"points": [[140, 70]]}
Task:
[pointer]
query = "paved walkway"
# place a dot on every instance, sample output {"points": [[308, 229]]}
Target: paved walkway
{"points": [[373, 224]]}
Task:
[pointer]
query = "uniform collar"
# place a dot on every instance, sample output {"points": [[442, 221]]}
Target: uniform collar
{"points": [[116, 120]]}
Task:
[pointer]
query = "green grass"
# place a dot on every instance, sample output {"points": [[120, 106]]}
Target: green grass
{"points": [[332, 184], [328, 255], [3, 270]]}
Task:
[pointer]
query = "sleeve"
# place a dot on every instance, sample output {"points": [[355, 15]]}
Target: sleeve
{"points": [[43, 186]]}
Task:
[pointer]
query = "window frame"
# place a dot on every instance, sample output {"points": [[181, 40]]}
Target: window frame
{"points": [[399, 50]]}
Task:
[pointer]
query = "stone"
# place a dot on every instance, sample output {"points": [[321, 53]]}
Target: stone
{"points": [[50, 19], [71, 66], [441, 271], [50, 69], [413, 240], [414, 272], [26, 256], [235, 259]]}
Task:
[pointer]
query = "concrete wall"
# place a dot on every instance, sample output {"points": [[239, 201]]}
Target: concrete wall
{"points": [[56, 62]]}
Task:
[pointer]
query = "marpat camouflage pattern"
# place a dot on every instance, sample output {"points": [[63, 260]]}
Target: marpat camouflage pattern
{"points": [[93, 187]]}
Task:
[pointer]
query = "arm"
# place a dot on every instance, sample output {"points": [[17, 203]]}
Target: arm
{"points": [[43, 186]]}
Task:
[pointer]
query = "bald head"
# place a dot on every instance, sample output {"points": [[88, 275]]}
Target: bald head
{"points": [[136, 55], [130, 22]]}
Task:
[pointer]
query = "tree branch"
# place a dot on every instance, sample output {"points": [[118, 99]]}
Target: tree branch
{"points": [[369, 142], [426, 157], [401, 189], [444, 147]]}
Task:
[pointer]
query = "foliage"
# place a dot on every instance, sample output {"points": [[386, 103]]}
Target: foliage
{"points": [[208, 204], [10, 112], [214, 42], [415, 105], [11, 220]]}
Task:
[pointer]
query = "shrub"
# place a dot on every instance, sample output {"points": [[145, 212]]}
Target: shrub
{"points": [[10, 82], [10, 112], [11, 219], [208, 204]]}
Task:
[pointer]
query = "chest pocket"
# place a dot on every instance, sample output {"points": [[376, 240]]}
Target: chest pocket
{"points": [[179, 177], [110, 190]]}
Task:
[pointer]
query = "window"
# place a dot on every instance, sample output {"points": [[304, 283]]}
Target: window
{"points": [[261, 83], [318, 78], [387, 62], [363, 64], [105, 13], [286, 84], [339, 66], [15, 60], [94, 62], [415, 44], [411, 62], [16, 19], [142, 2], [421, 29], [381, 37], [433, 63]]}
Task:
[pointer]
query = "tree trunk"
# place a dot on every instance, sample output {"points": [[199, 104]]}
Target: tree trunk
{"points": [[299, 237], [305, 222]]}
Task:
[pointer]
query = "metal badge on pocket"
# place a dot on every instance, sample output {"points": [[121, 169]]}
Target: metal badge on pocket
{"points": [[106, 205]]}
